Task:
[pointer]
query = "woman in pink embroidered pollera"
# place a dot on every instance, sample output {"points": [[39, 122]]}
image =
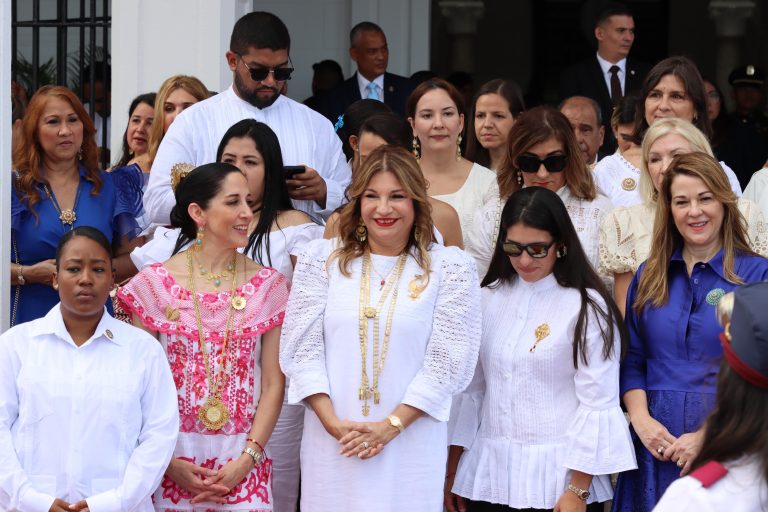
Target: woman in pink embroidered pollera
{"points": [[230, 387]]}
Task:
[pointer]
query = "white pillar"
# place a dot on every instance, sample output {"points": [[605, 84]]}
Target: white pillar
{"points": [[5, 164], [153, 40]]}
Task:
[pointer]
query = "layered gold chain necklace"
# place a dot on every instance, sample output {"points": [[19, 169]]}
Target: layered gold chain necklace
{"points": [[214, 413], [367, 312]]}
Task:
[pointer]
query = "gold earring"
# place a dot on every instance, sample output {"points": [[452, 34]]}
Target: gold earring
{"points": [[416, 147], [520, 178], [361, 233], [458, 148], [200, 235], [561, 251]]}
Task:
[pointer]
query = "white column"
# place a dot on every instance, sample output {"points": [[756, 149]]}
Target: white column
{"points": [[153, 40], [5, 164]]}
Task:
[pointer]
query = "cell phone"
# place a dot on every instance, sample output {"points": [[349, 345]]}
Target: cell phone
{"points": [[292, 170]]}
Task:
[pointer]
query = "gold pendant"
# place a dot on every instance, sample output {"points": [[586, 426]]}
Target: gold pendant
{"points": [[376, 397], [171, 313], [415, 287], [213, 413], [68, 217], [628, 184], [540, 332], [370, 312], [238, 302], [366, 410]]}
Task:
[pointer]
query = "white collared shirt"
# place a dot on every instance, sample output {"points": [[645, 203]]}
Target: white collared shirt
{"points": [[606, 67], [363, 82], [96, 422]]}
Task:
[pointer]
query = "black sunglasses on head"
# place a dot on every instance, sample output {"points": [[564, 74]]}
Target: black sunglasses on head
{"points": [[534, 250], [260, 74], [531, 163]]}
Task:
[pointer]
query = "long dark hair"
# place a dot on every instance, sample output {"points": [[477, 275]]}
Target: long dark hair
{"points": [[199, 186], [738, 425], [543, 209], [275, 198], [508, 90], [147, 99]]}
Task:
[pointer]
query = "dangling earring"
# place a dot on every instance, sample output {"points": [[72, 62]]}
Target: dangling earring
{"points": [[416, 147], [561, 251], [80, 153], [361, 233], [200, 235], [458, 148], [519, 178]]}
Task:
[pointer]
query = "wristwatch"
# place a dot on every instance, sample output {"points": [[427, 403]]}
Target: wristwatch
{"points": [[258, 457], [583, 494], [395, 422]]}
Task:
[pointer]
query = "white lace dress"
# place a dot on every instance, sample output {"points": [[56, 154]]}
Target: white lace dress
{"points": [[432, 356], [529, 418], [626, 234], [587, 216]]}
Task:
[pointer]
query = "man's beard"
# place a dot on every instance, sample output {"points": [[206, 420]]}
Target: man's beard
{"points": [[252, 97]]}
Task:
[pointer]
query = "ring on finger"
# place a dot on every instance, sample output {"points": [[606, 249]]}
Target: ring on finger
{"points": [[680, 463], [660, 450], [365, 445]]}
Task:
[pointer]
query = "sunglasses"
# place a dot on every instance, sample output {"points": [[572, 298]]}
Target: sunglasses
{"points": [[260, 74], [531, 163], [534, 250]]}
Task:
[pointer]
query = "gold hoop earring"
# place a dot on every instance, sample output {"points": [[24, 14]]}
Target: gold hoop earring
{"points": [[416, 147], [361, 232], [458, 148]]}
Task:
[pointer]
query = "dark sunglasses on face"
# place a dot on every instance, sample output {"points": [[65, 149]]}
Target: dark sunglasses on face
{"points": [[260, 74], [531, 163], [534, 250]]}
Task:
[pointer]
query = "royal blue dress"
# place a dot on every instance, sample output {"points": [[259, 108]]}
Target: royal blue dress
{"points": [[674, 355], [113, 211]]}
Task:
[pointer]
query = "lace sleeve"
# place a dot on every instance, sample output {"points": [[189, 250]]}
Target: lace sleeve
{"points": [[757, 229], [617, 247], [452, 350], [302, 345]]}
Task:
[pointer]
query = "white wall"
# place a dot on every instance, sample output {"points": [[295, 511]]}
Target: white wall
{"points": [[5, 163]]}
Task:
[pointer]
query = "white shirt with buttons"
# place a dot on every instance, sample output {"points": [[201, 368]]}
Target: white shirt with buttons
{"points": [[97, 422]]}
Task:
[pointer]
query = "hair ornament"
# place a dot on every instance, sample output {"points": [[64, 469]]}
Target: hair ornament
{"points": [[339, 123], [179, 172]]}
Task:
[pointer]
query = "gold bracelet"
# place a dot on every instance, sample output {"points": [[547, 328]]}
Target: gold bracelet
{"points": [[395, 422], [20, 275], [258, 457]]}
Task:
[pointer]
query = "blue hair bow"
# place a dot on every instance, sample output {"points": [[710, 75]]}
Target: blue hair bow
{"points": [[339, 123]]}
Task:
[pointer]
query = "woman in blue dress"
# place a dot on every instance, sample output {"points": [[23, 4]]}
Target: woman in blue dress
{"points": [[699, 252], [57, 187]]}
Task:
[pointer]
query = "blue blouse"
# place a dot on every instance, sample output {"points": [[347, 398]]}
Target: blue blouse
{"points": [[676, 347], [113, 211]]}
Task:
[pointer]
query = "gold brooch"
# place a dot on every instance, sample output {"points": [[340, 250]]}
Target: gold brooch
{"points": [[171, 313], [541, 332], [416, 286], [628, 184], [238, 302], [179, 172]]}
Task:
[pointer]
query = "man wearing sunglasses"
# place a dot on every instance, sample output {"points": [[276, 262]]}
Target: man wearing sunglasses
{"points": [[260, 62]]}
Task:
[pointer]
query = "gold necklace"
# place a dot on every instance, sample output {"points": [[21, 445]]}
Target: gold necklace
{"points": [[67, 216], [367, 312], [214, 413], [216, 278]]}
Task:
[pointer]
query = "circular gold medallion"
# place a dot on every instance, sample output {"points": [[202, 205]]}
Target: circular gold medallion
{"points": [[238, 302], [370, 312], [213, 413], [628, 184], [68, 217]]}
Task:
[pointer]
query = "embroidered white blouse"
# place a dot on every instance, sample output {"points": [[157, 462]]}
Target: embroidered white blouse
{"points": [[618, 179], [528, 418], [97, 422], [757, 190], [587, 216], [626, 234]]}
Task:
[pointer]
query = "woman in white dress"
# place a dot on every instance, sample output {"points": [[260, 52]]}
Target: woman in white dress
{"points": [[382, 328], [435, 110], [88, 415], [540, 426], [278, 233], [544, 153], [625, 235]]}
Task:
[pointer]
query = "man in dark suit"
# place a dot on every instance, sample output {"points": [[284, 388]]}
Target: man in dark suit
{"points": [[610, 74], [368, 48]]}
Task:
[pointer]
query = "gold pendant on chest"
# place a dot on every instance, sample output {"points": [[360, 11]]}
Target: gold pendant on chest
{"points": [[213, 413]]}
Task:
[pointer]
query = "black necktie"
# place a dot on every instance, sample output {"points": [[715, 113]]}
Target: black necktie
{"points": [[615, 84]]}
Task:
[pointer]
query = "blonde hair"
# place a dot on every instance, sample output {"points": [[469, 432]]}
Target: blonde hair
{"points": [[659, 129], [191, 85], [404, 166], [653, 285]]}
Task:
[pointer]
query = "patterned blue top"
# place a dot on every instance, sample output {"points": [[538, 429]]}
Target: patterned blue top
{"points": [[113, 211], [674, 355]]}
